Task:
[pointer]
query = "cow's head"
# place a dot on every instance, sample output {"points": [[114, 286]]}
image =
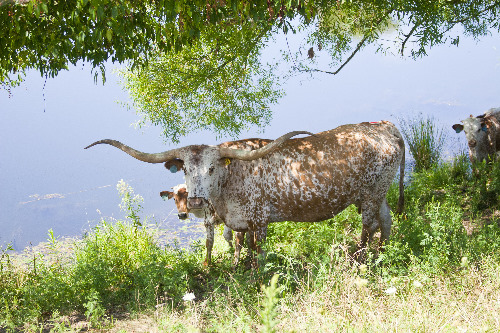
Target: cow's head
{"points": [[179, 194], [476, 133], [205, 167]]}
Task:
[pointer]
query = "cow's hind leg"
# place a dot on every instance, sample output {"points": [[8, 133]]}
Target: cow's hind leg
{"points": [[370, 219], [385, 223], [370, 226], [240, 239], [377, 216], [228, 235]]}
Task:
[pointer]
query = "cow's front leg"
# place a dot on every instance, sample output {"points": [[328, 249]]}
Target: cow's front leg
{"points": [[209, 243], [209, 226]]}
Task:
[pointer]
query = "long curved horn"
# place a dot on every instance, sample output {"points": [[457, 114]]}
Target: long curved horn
{"points": [[145, 157], [245, 155]]}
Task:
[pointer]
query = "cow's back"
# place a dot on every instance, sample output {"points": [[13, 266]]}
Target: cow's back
{"points": [[314, 178]]}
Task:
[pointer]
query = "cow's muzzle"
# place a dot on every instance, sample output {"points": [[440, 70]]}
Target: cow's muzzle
{"points": [[196, 203], [182, 216], [472, 143]]}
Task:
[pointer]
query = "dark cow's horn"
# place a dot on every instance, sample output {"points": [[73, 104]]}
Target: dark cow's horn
{"points": [[245, 155], [145, 157]]}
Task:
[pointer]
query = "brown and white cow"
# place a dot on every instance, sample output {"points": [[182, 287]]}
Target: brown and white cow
{"points": [[306, 179], [180, 195], [482, 134]]}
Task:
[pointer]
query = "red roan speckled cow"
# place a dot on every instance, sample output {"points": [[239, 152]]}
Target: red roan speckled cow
{"points": [[307, 179], [482, 134]]}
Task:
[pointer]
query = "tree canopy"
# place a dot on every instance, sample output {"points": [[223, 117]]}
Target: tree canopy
{"points": [[216, 83], [198, 65], [50, 35]]}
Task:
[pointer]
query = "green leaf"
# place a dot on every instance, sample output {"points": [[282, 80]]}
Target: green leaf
{"points": [[30, 7], [109, 34], [100, 13]]}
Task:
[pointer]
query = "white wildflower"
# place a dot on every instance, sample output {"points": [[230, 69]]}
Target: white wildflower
{"points": [[188, 297], [464, 262], [361, 283], [417, 284], [390, 291]]}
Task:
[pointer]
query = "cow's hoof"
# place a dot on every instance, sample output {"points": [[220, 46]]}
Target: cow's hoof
{"points": [[360, 255]]}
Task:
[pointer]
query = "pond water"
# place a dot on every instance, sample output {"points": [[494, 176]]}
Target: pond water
{"points": [[49, 181]]}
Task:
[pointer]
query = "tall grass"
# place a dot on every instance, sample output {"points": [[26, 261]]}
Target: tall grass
{"points": [[425, 140]]}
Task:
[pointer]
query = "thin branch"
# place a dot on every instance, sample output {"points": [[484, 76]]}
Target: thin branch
{"points": [[408, 36], [358, 47]]}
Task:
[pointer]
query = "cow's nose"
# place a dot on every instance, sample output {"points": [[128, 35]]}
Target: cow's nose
{"points": [[182, 216], [195, 203], [472, 143]]}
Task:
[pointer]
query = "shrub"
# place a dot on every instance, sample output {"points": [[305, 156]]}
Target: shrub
{"points": [[424, 140], [126, 267]]}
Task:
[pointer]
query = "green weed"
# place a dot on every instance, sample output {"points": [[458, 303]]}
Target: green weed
{"points": [[424, 139], [269, 305]]}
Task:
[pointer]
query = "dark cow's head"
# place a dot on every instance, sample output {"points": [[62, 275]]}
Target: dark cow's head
{"points": [[476, 133], [205, 167]]}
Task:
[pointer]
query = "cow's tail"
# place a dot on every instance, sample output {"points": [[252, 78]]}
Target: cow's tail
{"points": [[401, 201]]}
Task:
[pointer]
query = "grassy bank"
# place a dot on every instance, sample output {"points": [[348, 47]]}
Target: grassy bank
{"points": [[439, 272]]}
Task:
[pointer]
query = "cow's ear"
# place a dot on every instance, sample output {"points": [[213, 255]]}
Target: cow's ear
{"points": [[458, 128], [165, 195], [174, 165]]}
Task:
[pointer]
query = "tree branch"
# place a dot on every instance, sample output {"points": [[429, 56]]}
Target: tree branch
{"points": [[358, 47], [496, 3], [453, 23], [408, 36], [13, 2]]}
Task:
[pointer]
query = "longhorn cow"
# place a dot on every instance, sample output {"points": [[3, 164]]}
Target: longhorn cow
{"points": [[482, 134], [180, 196], [307, 179]]}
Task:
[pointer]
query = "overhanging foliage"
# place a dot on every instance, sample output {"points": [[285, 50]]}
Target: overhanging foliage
{"points": [[197, 65]]}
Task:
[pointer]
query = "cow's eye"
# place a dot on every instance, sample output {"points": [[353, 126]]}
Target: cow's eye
{"points": [[211, 170]]}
